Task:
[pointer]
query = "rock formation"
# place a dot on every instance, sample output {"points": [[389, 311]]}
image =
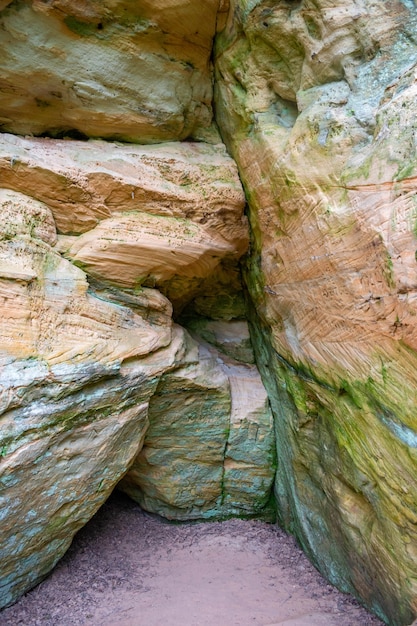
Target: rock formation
{"points": [[136, 216], [82, 355], [102, 242], [210, 448], [316, 103], [134, 71]]}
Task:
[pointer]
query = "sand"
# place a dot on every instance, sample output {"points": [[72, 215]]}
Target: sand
{"points": [[127, 568]]}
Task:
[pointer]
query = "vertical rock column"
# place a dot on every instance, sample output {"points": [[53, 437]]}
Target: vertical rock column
{"points": [[316, 102]]}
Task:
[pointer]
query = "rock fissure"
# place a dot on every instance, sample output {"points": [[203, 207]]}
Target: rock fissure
{"points": [[106, 247]]}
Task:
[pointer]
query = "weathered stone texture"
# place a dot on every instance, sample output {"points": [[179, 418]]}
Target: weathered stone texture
{"points": [[162, 216], [230, 336], [316, 102], [133, 71], [209, 450], [73, 416], [82, 355]]}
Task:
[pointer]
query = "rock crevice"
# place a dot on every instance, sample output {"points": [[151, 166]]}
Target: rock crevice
{"points": [[103, 244]]}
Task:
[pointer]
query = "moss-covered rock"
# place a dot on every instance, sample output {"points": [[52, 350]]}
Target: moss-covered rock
{"points": [[314, 101], [209, 451]]}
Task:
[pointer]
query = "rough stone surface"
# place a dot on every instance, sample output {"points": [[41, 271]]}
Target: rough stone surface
{"points": [[81, 356], [316, 101], [163, 216], [133, 71], [209, 450], [73, 410]]}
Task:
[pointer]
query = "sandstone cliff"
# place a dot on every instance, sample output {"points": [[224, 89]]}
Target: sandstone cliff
{"points": [[316, 103], [102, 242]]}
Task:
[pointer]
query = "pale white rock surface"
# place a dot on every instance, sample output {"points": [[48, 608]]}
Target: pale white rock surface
{"points": [[133, 71]]}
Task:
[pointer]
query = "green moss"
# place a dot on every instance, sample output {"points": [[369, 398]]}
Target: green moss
{"points": [[56, 523], [362, 172], [389, 272], [312, 27], [83, 29], [405, 171], [81, 265]]}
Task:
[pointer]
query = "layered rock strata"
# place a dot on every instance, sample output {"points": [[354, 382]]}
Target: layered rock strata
{"points": [[135, 216], [82, 356], [132, 71], [73, 411], [316, 103]]}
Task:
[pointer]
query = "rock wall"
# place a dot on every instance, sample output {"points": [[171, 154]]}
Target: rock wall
{"points": [[132, 71], [163, 216], [100, 241], [88, 346], [210, 448], [316, 101]]}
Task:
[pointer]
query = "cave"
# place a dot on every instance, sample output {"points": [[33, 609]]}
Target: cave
{"points": [[208, 278]]}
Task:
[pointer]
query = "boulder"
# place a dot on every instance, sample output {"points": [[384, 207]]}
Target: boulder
{"points": [[81, 356], [132, 71], [209, 451], [77, 373], [316, 101]]}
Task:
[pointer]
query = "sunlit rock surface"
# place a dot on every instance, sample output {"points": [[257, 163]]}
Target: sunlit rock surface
{"points": [[133, 71], [209, 451], [316, 102]]}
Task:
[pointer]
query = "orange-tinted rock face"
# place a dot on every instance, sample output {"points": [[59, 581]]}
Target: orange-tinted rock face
{"points": [[135, 216], [85, 341], [316, 101], [134, 71]]}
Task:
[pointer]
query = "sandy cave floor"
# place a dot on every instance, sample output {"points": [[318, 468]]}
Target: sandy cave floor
{"points": [[127, 568]]}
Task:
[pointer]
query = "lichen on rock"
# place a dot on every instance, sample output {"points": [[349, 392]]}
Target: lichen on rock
{"points": [[313, 101]]}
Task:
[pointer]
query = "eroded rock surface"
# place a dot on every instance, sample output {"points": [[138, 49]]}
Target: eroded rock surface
{"points": [[73, 414], [317, 104], [133, 71], [82, 355], [209, 450], [231, 337], [163, 216]]}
